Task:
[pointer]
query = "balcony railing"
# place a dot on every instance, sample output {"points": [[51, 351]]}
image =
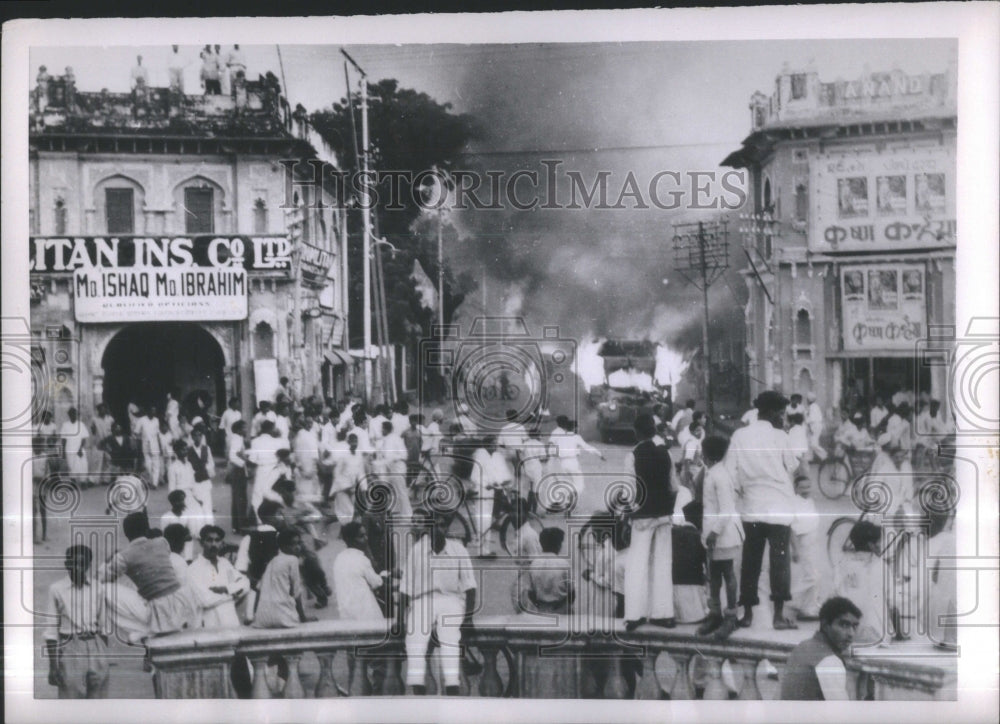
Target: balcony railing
{"points": [[254, 108], [520, 657]]}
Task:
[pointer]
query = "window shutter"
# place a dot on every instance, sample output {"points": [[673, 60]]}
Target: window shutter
{"points": [[199, 216], [120, 211]]}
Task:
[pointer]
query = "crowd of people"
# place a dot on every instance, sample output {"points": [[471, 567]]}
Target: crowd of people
{"points": [[689, 549]]}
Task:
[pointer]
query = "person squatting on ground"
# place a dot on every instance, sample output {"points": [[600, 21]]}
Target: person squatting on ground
{"points": [[815, 669], [545, 585], [437, 589], [76, 640], [648, 568], [761, 461]]}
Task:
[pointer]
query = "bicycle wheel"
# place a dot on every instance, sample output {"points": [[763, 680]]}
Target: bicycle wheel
{"points": [[838, 540], [508, 534], [834, 477], [460, 529]]}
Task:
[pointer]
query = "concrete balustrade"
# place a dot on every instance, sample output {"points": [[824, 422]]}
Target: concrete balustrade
{"points": [[518, 659]]}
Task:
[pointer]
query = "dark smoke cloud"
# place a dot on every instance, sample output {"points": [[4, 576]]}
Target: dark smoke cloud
{"points": [[598, 271]]}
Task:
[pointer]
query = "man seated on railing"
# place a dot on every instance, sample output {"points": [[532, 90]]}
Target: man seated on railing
{"points": [[815, 669], [437, 588], [546, 585]]}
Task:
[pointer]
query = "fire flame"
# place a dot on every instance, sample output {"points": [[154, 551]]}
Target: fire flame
{"points": [[670, 366]]}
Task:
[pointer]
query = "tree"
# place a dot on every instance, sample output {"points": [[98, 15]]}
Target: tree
{"points": [[409, 133]]}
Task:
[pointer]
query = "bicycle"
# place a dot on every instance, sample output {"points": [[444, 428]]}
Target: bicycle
{"points": [[838, 472], [507, 522]]}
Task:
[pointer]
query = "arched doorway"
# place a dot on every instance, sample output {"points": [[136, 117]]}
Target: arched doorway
{"points": [[144, 361]]}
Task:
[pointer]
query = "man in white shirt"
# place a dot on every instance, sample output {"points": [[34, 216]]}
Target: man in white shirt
{"points": [[438, 589], [263, 454], [391, 467], [375, 424], [231, 416], [761, 461], [898, 426], [930, 422], [877, 414], [354, 578], [569, 445], [179, 515], [74, 437], [682, 418], [217, 585], [264, 413], [814, 426], [401, 417], [464, 421]]}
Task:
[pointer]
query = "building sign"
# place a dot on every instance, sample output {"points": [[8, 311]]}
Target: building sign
{"points": [[137, 279], [883, 201], [884, 306], [160, 294], [253, 253]]}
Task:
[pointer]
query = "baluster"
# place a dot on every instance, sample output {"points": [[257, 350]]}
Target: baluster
{"points": [[260, 688], [293, 687], [326, 687], [749, 691], [715, 690], [592, 673], [615, 686], [490, 683], [682, 686], [393, 685], [358, 671], [649, 686]]}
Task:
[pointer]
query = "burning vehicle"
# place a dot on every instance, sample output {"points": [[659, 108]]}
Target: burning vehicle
{"points": [[629, 388]]}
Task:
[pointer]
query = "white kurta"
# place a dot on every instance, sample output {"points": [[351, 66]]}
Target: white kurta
{"points": [[218, 610], [354, 580], [75, 434]]}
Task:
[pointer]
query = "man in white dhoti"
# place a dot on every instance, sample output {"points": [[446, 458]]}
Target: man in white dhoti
{"points": [[649, 595], [74, 438]]}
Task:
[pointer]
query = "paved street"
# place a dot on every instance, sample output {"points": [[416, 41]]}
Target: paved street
{"points": [[128, 679]]}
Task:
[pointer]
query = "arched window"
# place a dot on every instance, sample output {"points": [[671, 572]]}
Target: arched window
{"points": [[60, 217], [803, 327], [199, 205], [804, 384], [263, 341], [120, 200], [767, 194], [259, 217], [801, 202]]}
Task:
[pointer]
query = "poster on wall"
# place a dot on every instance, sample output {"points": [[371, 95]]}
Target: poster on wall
{"points": [[884, 306], [868, 201]]}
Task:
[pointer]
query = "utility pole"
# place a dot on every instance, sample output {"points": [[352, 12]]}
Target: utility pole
{"points": [[701, 256], [707, 355], [366, 232]]}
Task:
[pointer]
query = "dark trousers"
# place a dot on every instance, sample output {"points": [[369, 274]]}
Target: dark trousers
{"points": [[776, 537], [722, 572], [237, 478]]}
